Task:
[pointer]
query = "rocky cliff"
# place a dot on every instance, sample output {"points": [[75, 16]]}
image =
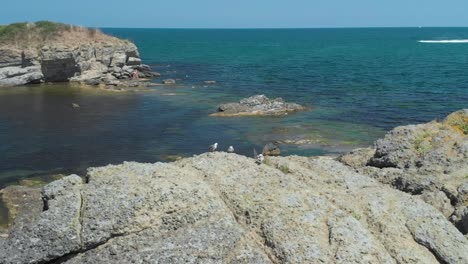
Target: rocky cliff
{"points": [[65, 53], [224, 208], [429, 161]]}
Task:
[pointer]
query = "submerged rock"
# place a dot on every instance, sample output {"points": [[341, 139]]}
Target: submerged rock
{"points": [[169, 81], [258, 105], [23, 201], [224, 208]]}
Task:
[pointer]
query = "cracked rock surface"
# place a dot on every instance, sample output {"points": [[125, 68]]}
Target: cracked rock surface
{"points": [[224, 208], [427, 160]]}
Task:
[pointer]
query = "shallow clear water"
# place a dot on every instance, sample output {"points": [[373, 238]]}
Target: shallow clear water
{"points": [[359, 83]]}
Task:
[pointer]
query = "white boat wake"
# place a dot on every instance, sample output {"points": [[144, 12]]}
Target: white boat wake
{"points": [[445, 41]]}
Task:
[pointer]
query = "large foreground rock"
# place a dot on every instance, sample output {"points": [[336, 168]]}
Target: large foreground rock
{"points": [[224, 208], [428, 160], [258, 105]]}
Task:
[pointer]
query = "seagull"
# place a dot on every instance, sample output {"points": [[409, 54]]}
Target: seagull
{"points": [[230, 149], [75, 105], [213, 147], [259, 158]]}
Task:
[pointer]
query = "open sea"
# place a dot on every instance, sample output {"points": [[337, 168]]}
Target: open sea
{"points": [[359, 83]]}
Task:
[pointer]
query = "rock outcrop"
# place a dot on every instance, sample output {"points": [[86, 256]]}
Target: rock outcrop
{"points": [[271, 149], [428, 160], [258, 105], [71, 55], [224, 208]]}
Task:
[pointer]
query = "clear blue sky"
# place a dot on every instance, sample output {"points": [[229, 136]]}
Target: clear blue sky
{"points": [[239, 13]]}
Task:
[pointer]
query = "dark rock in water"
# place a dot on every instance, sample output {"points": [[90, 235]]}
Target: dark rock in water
{"points": [[271, 149], [169, 81], [258, 105], [429, 159]]}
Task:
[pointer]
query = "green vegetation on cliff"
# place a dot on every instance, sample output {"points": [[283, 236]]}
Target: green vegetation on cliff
{"points": [[27, 34]]}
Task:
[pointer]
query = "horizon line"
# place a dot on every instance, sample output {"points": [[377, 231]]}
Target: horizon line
{"points": [[344, 27]]}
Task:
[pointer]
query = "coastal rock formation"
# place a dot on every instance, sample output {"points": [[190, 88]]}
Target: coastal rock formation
{"points": [[430, 160], [224, 208], [19, 67], [271, 149], [71, 54], [258, 105]]}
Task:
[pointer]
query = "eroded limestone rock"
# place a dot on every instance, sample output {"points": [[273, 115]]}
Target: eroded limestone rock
{"points": [[224, 208]]}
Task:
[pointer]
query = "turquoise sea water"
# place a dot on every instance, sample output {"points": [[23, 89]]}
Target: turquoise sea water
{"points": [[359, 83]]}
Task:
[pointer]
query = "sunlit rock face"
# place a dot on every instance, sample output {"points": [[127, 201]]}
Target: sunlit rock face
{"points": [[226, 208], [70, 55]]}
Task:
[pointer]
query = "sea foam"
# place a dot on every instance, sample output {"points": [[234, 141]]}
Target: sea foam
{"points": [[445, 41]]}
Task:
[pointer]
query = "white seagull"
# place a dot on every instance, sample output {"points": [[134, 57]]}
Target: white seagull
{"points": [[213, 147], [258, 158], [230, 149]]}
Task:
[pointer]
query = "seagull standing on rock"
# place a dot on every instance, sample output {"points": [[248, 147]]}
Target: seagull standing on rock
{"points": [[230, 149], [213, 147], [260, 159]]}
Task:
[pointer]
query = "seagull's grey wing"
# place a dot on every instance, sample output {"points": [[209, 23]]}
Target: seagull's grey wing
{"points": [[255, 153]]}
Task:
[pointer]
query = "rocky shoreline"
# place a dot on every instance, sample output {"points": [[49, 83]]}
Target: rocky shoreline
{"points": [[73, 54], [393, 203], [427, 160]]}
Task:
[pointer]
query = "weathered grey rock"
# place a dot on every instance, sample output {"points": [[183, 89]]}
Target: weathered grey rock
{"points": [[54, 233], [435, 147], [12, 76], [258, 105], [18, 67], [439, 200], [59, 62], [133, 61], [224, 208], [429, 159], [118, 60], [271, 149], [357, 158]]}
